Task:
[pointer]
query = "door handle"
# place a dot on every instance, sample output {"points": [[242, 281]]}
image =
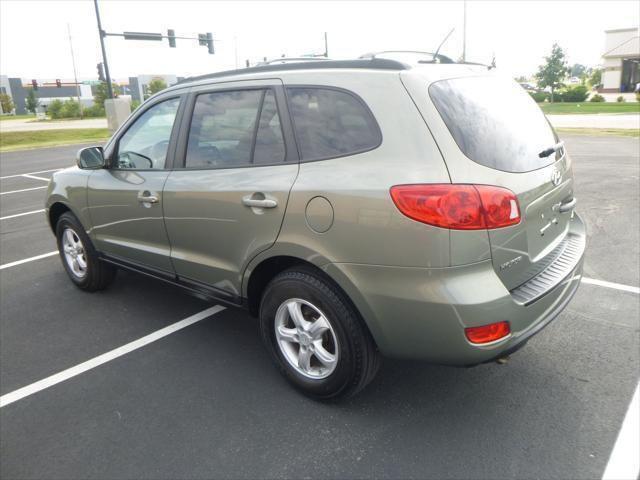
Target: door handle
{"points": [[147, 197], [255, 201], [568, 206]]}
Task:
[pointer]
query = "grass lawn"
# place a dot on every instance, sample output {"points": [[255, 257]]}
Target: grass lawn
{"points": [[631, 132], [589, 107], [17, 117], [10, 141]]}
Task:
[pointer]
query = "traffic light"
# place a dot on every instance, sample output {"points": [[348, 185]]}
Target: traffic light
{"points": [[58, 83], [100, 68], [206, 40], [171, 35], [34, 84]]}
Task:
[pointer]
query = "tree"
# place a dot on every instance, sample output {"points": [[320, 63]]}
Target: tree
{"points": [[595, 79], [101, 93], [553, 72], [577, 70], [156, 85], [32, 103], [6, 102]]}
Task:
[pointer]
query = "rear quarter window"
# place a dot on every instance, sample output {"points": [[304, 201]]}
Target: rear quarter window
{"points": [[494, 122], [331, 123]]}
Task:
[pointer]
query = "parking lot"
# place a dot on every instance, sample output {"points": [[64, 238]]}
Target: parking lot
{"points": [[205, 401]]}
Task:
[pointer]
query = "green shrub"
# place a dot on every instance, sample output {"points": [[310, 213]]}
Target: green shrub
{"points": [[539, 97], [558, 97], [578, 93], [135, 104], [70, 109], [597, 98], [94, 110], [55, 109], [620, 99]]}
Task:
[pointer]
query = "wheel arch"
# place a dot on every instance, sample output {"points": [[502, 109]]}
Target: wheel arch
{"points": [[55, 212], [262, 272]]}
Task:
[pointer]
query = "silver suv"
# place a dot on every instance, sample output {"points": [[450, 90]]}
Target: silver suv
{"points": [[358, 208]]}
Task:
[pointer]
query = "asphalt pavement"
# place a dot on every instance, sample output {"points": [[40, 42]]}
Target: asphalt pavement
{"points": [[206, 402]]}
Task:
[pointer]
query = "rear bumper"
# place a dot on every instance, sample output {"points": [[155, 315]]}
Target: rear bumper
{"points": [[422, 313]]}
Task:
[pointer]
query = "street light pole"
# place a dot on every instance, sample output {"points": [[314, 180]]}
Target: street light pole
{"points": [[104, 52], [75, 75]]}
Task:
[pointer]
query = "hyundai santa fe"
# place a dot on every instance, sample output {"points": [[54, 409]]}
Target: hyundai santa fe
{"points": [[358, 208]]}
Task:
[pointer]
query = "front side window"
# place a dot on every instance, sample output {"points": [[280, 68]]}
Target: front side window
{"points": [[235, 128], [144, 145], [331, 123]]}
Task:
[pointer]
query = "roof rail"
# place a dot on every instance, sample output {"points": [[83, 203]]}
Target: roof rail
{"points": [[371, 63], [434, 58], [283, 60]]}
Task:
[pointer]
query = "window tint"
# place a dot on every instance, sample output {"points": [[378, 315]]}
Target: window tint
{"points": [[269, 141], [494, 122], [223, 128], [331, 123], [144, 145]]}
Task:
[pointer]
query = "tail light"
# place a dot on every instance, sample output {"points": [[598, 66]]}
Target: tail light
{"points": [[487, 333], [458, 206]]}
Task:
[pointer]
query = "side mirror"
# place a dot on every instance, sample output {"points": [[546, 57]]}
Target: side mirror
{"points": [[90, 158]]}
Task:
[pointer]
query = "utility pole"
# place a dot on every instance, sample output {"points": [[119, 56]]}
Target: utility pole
{"points": [[75, 75], [326, 46], [464, 31], [104, 52]]}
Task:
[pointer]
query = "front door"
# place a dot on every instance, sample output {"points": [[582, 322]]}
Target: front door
{"points": [[125, 200], [228, 202]]}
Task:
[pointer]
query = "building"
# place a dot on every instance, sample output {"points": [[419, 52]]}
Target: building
{"points": [[621, 60], [138, 86], [48, 90]]}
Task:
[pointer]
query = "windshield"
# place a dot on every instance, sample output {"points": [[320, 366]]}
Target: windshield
{"points": [[494, 122]]}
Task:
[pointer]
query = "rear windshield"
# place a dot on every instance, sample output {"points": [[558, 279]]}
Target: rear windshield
{"points": [[494, 122]]}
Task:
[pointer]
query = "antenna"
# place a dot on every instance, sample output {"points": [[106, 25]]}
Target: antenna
{"points": [[435, 55]]}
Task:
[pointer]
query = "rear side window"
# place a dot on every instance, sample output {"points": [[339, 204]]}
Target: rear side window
{"points": [[331, 123], [235, 128], [494, 122]]}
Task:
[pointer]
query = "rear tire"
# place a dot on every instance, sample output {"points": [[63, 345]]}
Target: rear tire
{"points": [[79, 257], [327, 353]]}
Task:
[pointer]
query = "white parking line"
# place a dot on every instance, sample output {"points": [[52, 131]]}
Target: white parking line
{"points": [[26, 175], [617, 286], [624, 462], [27, 260], [23, 190], [29, 173], [105, 357], [22, 214]]}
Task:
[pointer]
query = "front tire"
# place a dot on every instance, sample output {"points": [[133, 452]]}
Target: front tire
{"points": [[79, 257], [315, 336]]}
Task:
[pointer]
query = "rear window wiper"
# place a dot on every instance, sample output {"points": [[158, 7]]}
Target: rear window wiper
{"points": [[550, 150]]}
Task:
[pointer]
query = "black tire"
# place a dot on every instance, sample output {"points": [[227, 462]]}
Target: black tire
{"points": [[97, 274], [359, 359]]}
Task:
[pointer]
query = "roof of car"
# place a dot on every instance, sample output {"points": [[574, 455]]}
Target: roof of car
{"points": [[369, 63], [438, 68]]}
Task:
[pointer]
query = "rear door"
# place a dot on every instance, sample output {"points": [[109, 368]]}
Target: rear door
{"points": [[491, 132], [226, 201]]}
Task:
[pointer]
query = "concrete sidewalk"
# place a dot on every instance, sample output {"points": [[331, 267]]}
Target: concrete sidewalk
{"points": [[29, 125], [596, 120]]}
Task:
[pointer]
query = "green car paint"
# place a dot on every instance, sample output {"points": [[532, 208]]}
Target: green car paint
{"points": [[417, 286]]}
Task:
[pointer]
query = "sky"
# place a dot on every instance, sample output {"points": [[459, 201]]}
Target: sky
{"points": [[34, 40]]}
